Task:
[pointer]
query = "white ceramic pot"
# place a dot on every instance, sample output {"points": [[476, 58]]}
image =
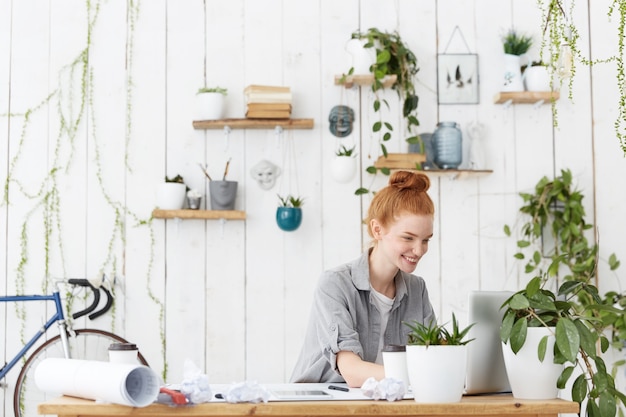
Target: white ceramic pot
{"points": [[537, 78], [437, 373], [512, 80], [531, 379], [343, 168], [209, 106], [171, 196], [362, 58]]}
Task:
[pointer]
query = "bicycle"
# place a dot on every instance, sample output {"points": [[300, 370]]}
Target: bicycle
{"points": [[83, 343]]}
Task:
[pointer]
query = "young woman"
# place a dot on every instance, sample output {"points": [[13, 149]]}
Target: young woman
{"points": [[359, 307]]}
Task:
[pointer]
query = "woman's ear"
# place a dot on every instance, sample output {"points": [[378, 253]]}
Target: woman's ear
{"points": [[377, 229]]}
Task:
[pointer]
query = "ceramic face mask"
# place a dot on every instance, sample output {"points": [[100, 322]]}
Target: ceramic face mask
{"points": [[341, 118], [265, 174]]}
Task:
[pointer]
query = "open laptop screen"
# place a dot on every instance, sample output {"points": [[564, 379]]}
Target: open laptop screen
{"points": [[485, 364]]}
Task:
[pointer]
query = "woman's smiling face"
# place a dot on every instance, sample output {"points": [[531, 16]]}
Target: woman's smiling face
{"points": [[405, 241]]}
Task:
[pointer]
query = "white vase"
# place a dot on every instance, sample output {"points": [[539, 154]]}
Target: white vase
{"points": [[512, 80], [171, 196], [362, 58], [531, 379], [537, 78], [343, 168], [209, 106], [437, 373]]}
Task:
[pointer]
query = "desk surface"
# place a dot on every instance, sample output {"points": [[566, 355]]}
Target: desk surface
{"points": [[487, 405]]}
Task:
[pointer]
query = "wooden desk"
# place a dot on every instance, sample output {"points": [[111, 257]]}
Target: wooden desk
{"points": [[493, 405]]}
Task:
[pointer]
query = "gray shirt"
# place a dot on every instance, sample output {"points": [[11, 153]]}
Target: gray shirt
{"points": [[344, 317]]}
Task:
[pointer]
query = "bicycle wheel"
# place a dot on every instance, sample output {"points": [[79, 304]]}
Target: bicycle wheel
{"points": [[90, 344]]}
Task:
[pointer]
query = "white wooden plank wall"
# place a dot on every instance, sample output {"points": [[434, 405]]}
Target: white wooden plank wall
{"points": [[236, 295]]}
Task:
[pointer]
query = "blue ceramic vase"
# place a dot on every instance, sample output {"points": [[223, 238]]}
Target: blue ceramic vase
{"points": [[288, 218]]}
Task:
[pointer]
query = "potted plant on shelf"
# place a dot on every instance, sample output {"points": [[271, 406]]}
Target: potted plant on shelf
{"points": [[171, 193], [393, 58], [436, 360], [343, 166], [536, 77], [561, 296], [515, 46], [289, 213], [210, 103]]}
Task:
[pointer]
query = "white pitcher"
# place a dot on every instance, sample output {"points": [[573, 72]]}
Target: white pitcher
{"points": [[512, 73]]}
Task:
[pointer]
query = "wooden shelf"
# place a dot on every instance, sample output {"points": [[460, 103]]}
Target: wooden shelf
{"points": [[254, 124], [199, 214], [409, 165], [526, 97], [400, 160], [364, 79]]}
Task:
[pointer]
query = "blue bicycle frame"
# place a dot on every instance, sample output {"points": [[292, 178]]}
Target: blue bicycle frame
{"points": [[58, 317]]}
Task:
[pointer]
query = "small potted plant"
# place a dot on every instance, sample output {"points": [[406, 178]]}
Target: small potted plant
{"points": [[436, 360], [515, 46], [343, 166], [210, 103], [537, 77], [171, 193], [289, 213]]}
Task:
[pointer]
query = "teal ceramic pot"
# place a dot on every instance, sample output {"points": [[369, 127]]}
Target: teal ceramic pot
{"points": [[289, 218]]}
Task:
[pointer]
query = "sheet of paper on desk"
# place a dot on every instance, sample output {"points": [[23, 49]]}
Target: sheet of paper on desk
{"points": [[333, 394]]}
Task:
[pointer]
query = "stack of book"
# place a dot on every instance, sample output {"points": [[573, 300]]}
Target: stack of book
{"points": [[268, 102]]}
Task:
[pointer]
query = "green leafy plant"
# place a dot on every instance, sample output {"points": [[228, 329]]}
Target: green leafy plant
{"points": [[291, 201], [393, 57], [178, 178], [343, 151], [220, 90], [435, 334], [580, 317], [516, 44]]}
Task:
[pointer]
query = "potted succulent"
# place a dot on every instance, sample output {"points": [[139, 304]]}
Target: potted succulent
{"points": [[343, 166], [210, 103], [393, 58], [171, 193], [436, 360], [289, 213], [515, 46], [561, 296], [536, 77]]}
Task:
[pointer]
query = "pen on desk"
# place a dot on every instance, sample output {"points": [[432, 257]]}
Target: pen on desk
{"points": [[335, 387]]}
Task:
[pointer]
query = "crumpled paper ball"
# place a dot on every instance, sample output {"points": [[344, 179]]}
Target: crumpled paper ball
{"points": [[247, 391], [389, 389], [195, 384]]}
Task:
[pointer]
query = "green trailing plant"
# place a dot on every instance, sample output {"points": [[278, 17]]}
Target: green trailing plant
{"points": [[560, 41], [343, 151], [222, 91], [437, 334], [291, 201], [393, 57], [515, 43], [72, 98], [562, 292]]}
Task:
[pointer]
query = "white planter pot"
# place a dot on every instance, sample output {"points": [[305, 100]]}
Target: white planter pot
{"points": [[512, 78], [362, 58], [171, 196], [343, 168], [437, 373], [209, 106], [537, 78], [531, 379]]}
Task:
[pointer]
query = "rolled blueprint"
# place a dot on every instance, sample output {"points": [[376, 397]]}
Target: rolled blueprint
{"points": [[118, 383]]}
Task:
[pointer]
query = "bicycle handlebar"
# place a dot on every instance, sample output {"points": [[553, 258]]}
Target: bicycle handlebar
{"points": [[81, 282]]}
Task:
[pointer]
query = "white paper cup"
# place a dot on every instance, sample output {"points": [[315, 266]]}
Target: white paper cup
{"points": [[123, 353], [394, 362]]}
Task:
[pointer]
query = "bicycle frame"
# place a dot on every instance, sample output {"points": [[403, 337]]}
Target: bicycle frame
{"points": [[57, 317]]}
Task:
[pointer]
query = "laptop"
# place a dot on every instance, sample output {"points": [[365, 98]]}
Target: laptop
{"points": [[485, 364]]}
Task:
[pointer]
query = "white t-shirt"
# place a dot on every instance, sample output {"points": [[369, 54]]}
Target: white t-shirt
{"points": [[384, 304]]}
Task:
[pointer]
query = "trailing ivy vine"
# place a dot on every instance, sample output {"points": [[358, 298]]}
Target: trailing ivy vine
{"points": [[73, 100]]}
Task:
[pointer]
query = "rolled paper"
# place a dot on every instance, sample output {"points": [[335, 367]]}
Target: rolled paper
{"points": [[119, 383]]}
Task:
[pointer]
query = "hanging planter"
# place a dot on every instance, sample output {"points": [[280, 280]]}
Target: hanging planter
{"points": [[343, 167], [289, 214]]}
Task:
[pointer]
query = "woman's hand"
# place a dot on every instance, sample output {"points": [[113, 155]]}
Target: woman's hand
{"points": [[355, 370]]}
